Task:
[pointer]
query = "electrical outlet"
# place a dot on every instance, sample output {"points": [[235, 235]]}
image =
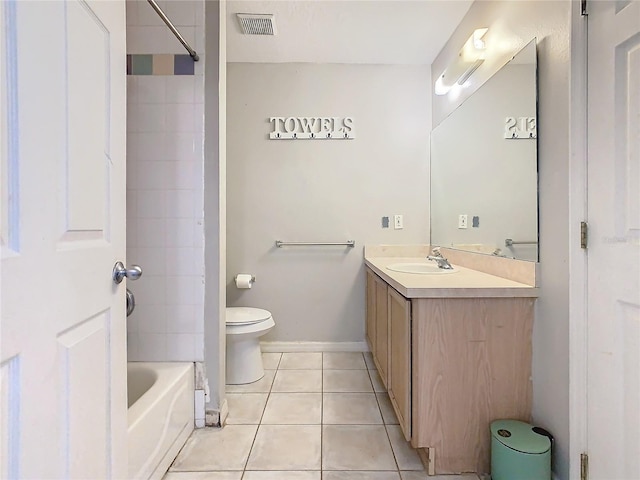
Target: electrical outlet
{"points": [[397, 222], [462, 221]]}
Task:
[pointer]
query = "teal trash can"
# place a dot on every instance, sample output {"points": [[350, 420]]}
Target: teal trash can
{"points": [[519, 451]]}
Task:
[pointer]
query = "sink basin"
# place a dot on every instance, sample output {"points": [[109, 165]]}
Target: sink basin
{"points": [[420, 268]]}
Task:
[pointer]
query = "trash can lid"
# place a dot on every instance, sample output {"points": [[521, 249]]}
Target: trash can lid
{"points": [[520, 436]]}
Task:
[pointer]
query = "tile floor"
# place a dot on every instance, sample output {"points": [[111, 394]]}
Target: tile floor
{"points": [[312, 416]]}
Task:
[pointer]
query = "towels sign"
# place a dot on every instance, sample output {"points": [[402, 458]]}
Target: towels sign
{"points": [[316, 128], [520, 127]]}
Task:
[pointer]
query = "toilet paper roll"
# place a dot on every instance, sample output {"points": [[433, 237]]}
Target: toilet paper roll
{"points": [[244, 280]]}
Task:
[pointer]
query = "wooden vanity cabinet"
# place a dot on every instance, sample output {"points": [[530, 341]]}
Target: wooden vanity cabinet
{"points": [[370, 315], [377, 326], [399, 378], [453, 365]]}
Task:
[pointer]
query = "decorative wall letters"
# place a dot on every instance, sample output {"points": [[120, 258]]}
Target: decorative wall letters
{"points": [[317, 128], [521, 127]]}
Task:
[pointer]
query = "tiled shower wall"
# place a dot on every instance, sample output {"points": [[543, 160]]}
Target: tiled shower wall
{"points": [[165, 182]]}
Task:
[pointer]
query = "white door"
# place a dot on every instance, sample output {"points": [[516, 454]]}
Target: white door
{"points": [[63, 353], [613, 363]]}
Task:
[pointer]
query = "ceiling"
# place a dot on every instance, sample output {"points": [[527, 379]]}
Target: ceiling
{"points": [[392, 32]]}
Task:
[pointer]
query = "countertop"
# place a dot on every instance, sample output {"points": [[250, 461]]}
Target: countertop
{"points": [[465, 283]]}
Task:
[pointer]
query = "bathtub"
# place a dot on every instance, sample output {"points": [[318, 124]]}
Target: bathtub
{"points": [[160, 398]]}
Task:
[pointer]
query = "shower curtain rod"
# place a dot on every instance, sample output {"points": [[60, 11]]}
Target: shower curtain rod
{"points": [[175, 31]]}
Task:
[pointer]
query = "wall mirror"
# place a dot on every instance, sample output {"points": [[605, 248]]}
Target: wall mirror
{"points": [[484, 169]]}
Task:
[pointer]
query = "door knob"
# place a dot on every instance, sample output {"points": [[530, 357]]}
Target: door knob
{"points": [[120, 272]]}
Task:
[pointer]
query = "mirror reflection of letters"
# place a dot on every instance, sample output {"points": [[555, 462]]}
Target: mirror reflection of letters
{"points": [[484, 165]]}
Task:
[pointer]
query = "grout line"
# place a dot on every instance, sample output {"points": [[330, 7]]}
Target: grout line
{"points": [[393, 452], [386, 430], [244, 470], [321, 417]]}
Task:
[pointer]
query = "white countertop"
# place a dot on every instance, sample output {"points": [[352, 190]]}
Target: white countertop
{"points": [[465, 283]]}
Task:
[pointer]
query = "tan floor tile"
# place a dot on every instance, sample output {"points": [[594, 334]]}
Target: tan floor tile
{"points": [[388, 414], [424, 476], [282, 475], [350, 409], [360, 476], [246, 408], [286, 447], [300, 381], [368, 359], [343, 361], [202, 452], [293, 409], [346, 381], [270, 360], [356, 447], [261, 386], [203, 476], [378, 386], [301, 361], [406, 457]]}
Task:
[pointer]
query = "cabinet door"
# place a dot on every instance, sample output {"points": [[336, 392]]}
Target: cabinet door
{"points": [[370, 324], [381, 352], [400, 358]]}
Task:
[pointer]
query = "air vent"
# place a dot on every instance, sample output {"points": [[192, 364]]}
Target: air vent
{"points": [[257, 24]]}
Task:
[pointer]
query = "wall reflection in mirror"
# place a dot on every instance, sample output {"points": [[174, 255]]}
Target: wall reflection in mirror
{"points": [[484, 166]]}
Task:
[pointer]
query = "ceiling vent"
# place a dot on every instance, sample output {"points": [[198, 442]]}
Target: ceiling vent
{"points": [[257, 24]]}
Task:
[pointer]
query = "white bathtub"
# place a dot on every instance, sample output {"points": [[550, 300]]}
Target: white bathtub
{"points": [[160, 415]]}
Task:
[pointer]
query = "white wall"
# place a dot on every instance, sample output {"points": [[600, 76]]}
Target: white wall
{"points": [[511, 25], [321, 190], [165, 189]]}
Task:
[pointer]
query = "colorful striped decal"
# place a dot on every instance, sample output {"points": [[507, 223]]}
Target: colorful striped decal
{"points": [[160, 64]]}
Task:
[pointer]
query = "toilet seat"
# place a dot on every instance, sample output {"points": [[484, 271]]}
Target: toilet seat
{"points": [[244, 328], [237, 316]]}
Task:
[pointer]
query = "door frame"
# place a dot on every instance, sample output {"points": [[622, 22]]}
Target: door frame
{"points": [[578, 257]]}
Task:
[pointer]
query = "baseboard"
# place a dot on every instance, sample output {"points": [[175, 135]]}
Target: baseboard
{"points": [[217, 418], [314, 346], [224, 412]]}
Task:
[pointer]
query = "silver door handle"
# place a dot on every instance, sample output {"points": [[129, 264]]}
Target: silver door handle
{"points": [[131, 302], [120, 272]]}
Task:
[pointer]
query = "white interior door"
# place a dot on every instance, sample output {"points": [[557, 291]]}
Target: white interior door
{"points": [[63, 353], [614, 240]]}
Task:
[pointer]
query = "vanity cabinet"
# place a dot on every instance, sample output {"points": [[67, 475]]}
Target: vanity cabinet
{"points": [[452, 366], [377, 326], [370, 315], [399, 378]]}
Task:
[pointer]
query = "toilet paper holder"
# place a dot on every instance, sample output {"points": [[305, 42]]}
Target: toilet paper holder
{"points": [[244, 280], [253, 278]]}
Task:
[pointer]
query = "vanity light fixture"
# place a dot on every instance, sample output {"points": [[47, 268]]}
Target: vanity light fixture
{"points": [[470, 57]]}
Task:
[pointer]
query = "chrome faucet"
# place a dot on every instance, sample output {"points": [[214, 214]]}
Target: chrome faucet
{"points": [[440, 260]]}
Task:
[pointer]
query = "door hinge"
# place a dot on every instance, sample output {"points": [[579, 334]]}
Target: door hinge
{"points": [[584, 234], [584, 466], [583, 8]]}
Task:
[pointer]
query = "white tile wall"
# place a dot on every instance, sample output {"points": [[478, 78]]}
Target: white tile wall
{"points": [[164, 190]]}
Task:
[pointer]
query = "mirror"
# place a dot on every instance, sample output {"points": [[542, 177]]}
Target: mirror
{"points": [[484, 166]]}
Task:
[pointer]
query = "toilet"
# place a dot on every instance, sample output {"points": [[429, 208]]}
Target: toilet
{"points": [[245, 326]]}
